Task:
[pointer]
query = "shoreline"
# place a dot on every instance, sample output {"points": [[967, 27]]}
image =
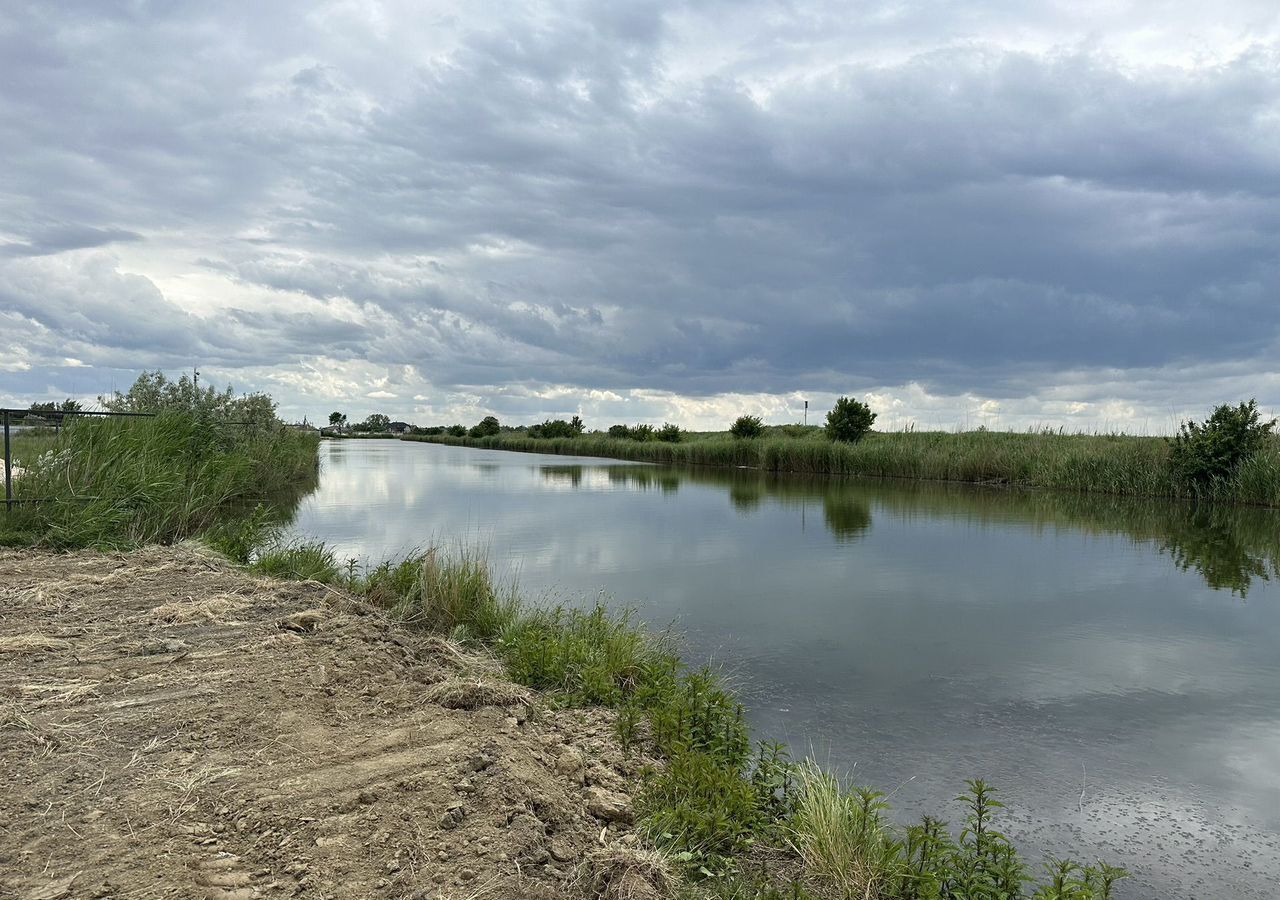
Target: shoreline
{"points": [[175, 725], [1121, 466]]}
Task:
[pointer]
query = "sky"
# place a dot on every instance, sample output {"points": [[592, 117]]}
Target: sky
{"points": [[1010, 213]]}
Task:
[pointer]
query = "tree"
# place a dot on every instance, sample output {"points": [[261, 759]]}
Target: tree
{"points": [[487, 427], [849, 421], [153, 393], [458, 430], [1211, 451], [557, 428], [376, 423], [337, 419], [747, 427], [670, 433]]}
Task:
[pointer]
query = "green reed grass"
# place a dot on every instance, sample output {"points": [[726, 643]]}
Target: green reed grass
{"points": [[127, 482], [1079, 463]]}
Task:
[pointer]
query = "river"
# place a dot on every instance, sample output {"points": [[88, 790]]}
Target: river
{"points": [[1110, 664]]}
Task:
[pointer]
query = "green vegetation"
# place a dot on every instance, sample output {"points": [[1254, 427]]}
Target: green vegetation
{"points": [[1078, 463], [206, 457], [671, 434], [849, 421], [1211, 453], [716, 800], [555, 428], [747, 427], [377, 423], [486, 427]]}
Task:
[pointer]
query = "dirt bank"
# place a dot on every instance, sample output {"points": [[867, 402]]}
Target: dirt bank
{"points": [[171, 726]]}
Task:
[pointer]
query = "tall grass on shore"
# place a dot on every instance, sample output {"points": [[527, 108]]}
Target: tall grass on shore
{"points": [[124, 482], [1081, 463], [716, 801]]}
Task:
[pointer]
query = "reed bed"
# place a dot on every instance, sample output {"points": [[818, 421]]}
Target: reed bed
{"points": [[114, 483], [1080, 463]]}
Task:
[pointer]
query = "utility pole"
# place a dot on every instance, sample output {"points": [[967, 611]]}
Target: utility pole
{"points": [[806, 413]]}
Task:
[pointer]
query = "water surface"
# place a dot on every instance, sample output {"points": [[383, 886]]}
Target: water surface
{"points": [[1111, 665]]}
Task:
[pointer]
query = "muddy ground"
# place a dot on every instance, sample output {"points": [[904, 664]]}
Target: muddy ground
{"points": [[172, 726]]}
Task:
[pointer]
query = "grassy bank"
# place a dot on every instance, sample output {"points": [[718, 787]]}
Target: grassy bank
{"points": [[1106, 464], [739, 820], [115, 483]]}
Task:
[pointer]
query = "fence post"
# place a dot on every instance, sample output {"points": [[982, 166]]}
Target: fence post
{"points": [[8, 466]]}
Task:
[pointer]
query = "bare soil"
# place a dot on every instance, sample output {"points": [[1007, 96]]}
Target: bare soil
{"points": [[172, 726]]}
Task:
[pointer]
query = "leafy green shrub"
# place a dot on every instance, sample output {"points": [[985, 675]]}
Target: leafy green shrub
{"points": [[557, 428], [458, 430], [619, 431], [487, 427], [672, 434], [746, 427], [643, 432], [1212, 451], [849, 420]]}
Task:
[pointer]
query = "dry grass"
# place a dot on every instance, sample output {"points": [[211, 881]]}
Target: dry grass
{"points": [[32, 642], [217, 609], [626, 873], [473, 693]]}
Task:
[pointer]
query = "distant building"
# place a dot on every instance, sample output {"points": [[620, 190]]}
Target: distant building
{"points": [[399, 428]]}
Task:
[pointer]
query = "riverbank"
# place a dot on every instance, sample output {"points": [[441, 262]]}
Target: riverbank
{"points": [[174, 726], [1106, 464], [120, 483]]}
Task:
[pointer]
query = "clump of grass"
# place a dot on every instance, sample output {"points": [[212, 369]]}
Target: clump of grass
{"points": [[582, 657], [449, 595], [304, 561], [842, 837]]}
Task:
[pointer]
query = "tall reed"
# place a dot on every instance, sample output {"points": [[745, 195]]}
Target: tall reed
{"points": [[125, 482], [1079, 463]]}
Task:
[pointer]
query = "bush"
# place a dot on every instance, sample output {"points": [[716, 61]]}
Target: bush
{"points": [[642, 433], [747, 427], [1204, 453], [670, 433], [849, 420], [557, 428], [619, 431], [458, 430], [487, 427]]}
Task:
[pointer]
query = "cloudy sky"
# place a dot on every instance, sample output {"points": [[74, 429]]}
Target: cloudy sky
{"points": [[1010, 212]]}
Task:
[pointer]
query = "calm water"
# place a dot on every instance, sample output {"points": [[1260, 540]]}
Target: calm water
{"points": [[1112, 665]]}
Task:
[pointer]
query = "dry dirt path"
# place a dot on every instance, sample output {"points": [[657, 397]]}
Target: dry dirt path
{"points": [[172, 726]]}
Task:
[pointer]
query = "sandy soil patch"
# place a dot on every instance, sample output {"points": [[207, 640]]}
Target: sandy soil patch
{"points": [[171, 726]]}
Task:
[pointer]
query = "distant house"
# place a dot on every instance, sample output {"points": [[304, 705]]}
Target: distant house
{"points": [[399, 428]]}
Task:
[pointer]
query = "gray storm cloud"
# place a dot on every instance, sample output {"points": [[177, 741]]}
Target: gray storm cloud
{"points": [[663, 200]]}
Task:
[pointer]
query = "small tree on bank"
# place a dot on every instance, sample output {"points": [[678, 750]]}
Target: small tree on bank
{"points": [[337, 419], [849, 421], [486, 427], [747, 427], [1203, 453]]}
